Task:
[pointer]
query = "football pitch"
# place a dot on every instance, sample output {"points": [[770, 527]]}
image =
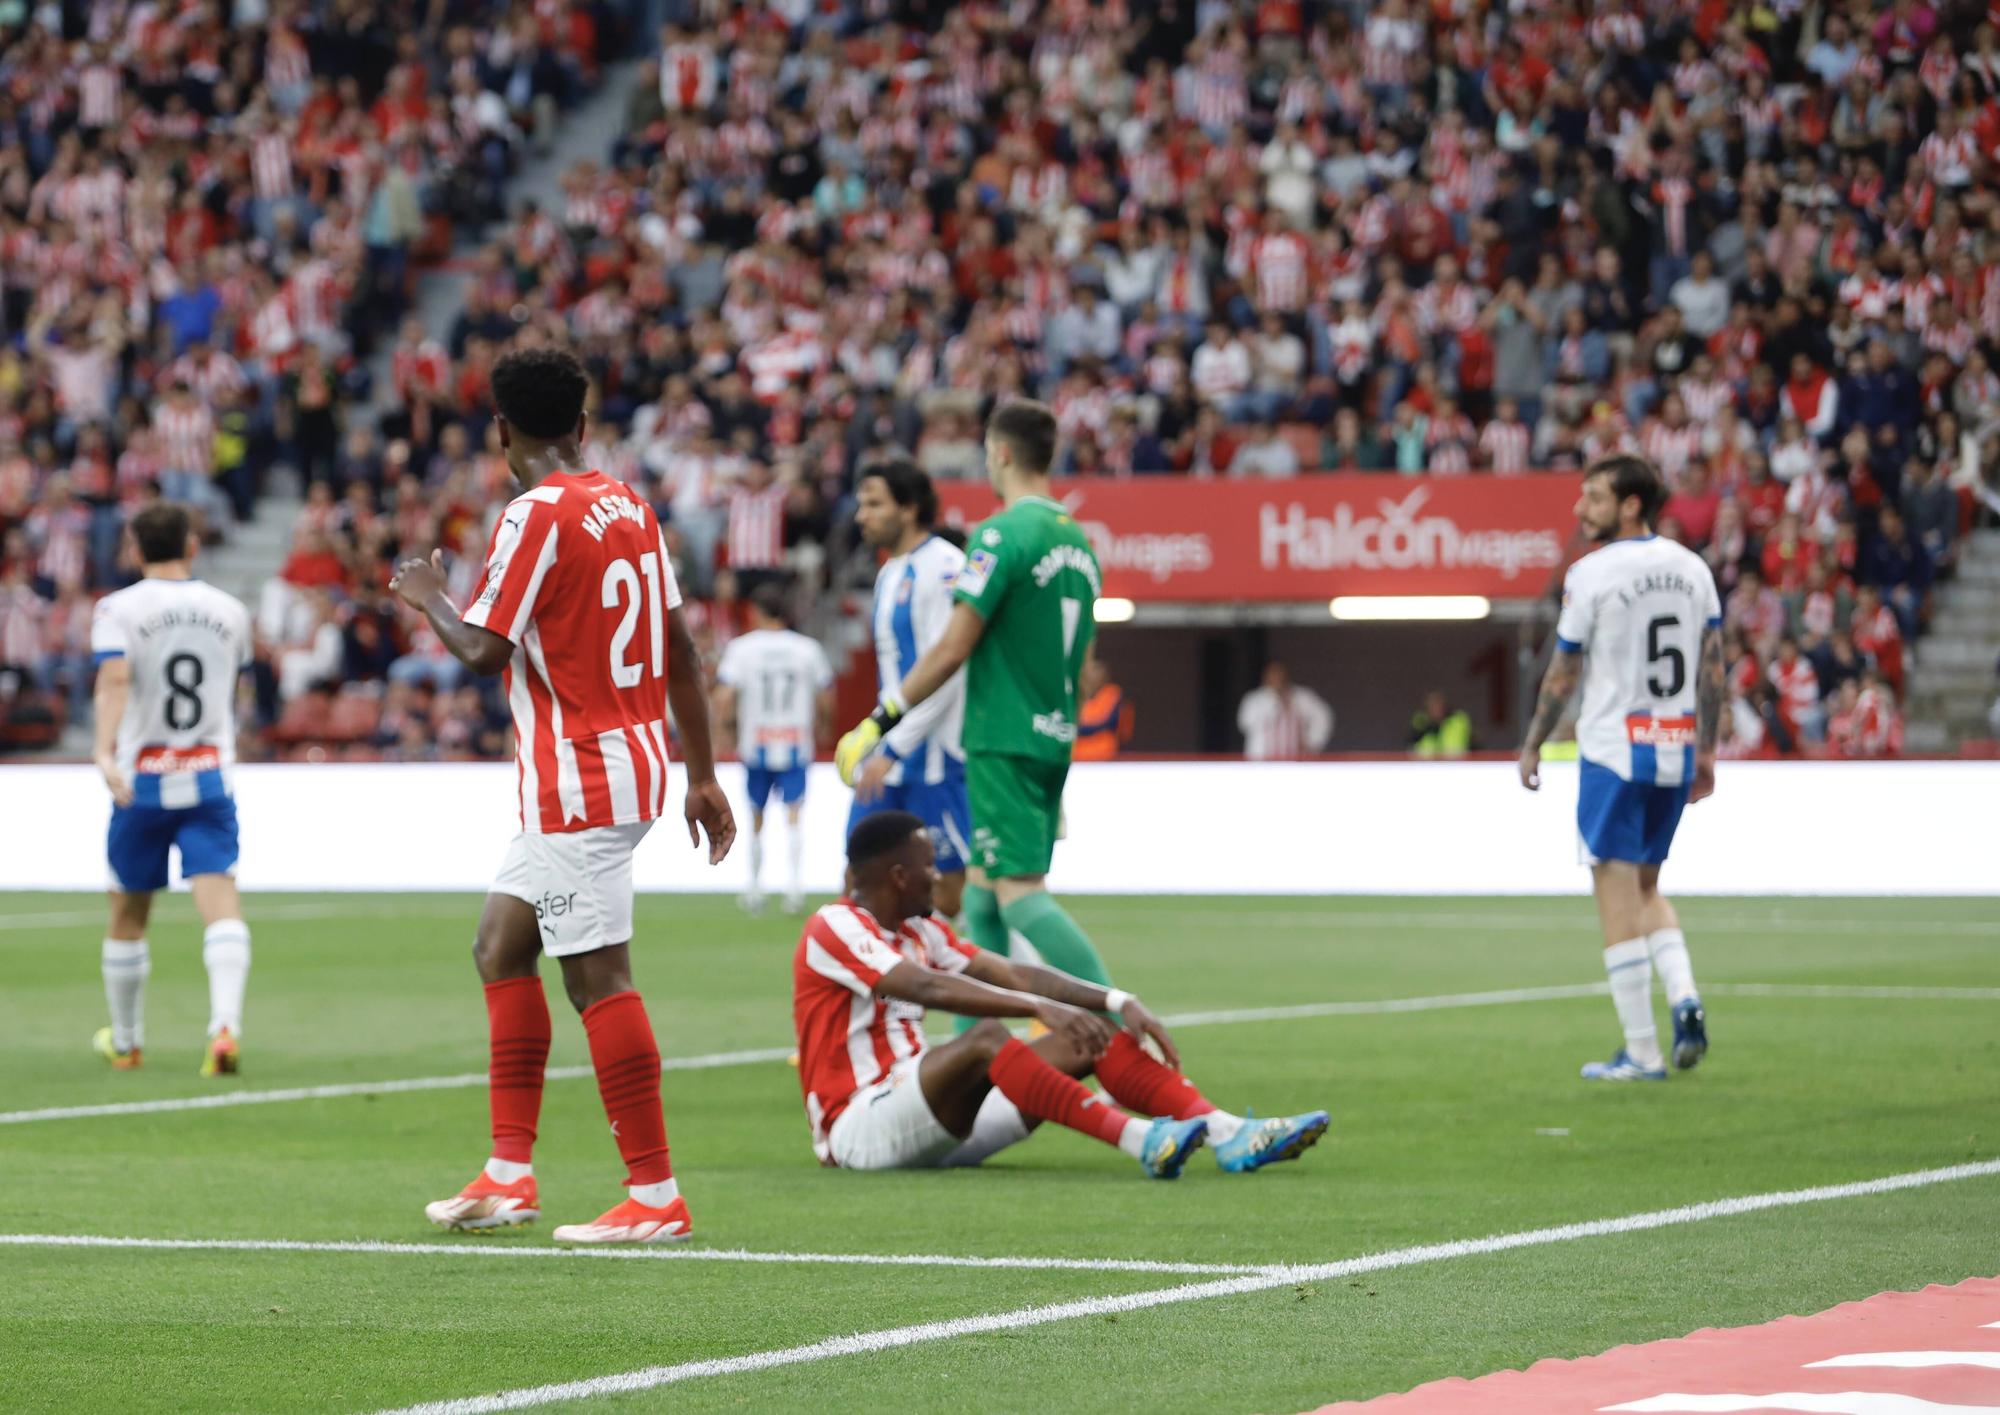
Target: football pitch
{"points": [[272, 1255]]}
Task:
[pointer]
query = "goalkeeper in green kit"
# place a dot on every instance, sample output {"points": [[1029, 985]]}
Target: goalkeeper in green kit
{"points": [[1022, 621]]}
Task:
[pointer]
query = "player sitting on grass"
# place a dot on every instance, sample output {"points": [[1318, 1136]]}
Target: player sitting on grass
{"points": [[880, 1098]]}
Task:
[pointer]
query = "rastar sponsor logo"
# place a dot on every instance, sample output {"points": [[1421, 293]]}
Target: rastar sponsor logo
{"points": [[1159, 557], [1290, 537]]}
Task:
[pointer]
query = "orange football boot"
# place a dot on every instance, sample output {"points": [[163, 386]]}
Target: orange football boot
{"points": [[485, 1204], [632, 1222]]}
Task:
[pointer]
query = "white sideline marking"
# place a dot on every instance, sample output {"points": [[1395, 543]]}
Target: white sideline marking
{"points": [[653, 1253], [652, 1377], [225, 1099], [712, 1060], [1569, 923], [60, 918], [1912, 1360]]}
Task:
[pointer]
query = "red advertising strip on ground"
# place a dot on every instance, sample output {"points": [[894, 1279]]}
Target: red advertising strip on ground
{"points": [[1306, 538], [1934, 1352]]}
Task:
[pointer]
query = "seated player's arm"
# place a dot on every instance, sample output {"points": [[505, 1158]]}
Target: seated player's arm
{"points": [[968, 997], [420, 584], [706, 807], [114, 686], [1042, 981], [1558, 686]]}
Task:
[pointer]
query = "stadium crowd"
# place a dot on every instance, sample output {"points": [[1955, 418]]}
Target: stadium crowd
{"points": [[1228, 238]]}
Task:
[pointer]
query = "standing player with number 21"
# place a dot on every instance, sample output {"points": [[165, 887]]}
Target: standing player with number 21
{"points": [[579, 608], [1646, 612]]}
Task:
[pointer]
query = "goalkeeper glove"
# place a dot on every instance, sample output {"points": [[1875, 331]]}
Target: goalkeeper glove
{"points": [[855, 747]]}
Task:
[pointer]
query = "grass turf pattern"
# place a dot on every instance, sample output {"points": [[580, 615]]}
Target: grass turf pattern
{"points": [[1447, 1124]]}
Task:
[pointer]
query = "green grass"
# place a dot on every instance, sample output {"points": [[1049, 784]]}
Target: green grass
{"points": [[1442, 1130]]}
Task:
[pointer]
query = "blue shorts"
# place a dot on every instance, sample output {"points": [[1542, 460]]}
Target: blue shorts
{"points": [[940, 805], [790, 784], [1627, 820], [140, 837]]}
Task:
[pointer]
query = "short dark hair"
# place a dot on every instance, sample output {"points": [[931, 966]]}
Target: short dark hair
{"points": [[1029, 428], [908, 484], [1633, 476], [879, 834], [540, 392], [161, 532], [769, 601]]}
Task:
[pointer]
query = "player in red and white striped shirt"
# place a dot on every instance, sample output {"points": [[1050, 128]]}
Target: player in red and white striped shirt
{"points": [[579, 609], [879, 1098], [757, 521]]}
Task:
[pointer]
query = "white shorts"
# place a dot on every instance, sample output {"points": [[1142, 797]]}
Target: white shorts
{"points": [[579, 883], [889, 1125]]}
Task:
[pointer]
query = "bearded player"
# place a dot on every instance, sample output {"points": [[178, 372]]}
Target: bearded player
{"points": [[579, 610], [1021, 626], [879, 1097], [1646, 612]]}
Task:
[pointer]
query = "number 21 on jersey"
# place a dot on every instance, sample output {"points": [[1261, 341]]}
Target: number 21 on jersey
{"points": [[622, 591]]}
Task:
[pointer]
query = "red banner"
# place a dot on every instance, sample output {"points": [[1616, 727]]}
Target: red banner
{"points": [[1174, 538]]}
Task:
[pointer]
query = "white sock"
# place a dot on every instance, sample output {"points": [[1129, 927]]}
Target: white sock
{"points": [[655, 1196], [127, 965], [1133, 1140], [756, 860], [225, 951], [1669, 948], [507, 1171], [1222, 1126], [1631, 973], [795, 856]]}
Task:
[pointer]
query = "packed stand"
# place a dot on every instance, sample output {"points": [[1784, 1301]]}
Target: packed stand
{"points": [[209, 216]]}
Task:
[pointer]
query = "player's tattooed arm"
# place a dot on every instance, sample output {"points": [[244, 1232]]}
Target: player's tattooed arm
{"points": [[1558, 687], [1708, 693]]}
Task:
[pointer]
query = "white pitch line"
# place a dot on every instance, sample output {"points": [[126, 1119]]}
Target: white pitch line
{"points": [[654, 1254], [1577, 923], [653, 1377], [1365, 1008], [225, 1099], [59, 918]]}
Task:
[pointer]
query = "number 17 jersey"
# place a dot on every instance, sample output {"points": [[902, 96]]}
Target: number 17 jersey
{"points": [[577, 578], [1638, 608]]}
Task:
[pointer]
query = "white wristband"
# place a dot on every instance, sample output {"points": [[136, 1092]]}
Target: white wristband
{"points": [[1115, 999]]}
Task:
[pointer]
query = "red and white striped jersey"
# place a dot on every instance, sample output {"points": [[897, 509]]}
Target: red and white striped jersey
{"points": [[757, 528], [271, 166], [848, 1037], [100, 89], [1670, 448], [1505, 446], [187, 437], [577, 577], [1281, 262]]}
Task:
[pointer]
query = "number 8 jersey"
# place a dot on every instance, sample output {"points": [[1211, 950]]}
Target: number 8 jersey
{"points": [[1638, 607], [185, 641], [577, 578]]}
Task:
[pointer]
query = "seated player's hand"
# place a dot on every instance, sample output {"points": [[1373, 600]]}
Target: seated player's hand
{"points": [[415, 581], [854, 748], [1140, 1022], [1088, 1033], [707, 810], [1531, 768], [873, 778]]}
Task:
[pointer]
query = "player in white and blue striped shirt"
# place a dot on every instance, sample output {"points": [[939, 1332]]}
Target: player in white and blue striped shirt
{"points": [[920, 765]]}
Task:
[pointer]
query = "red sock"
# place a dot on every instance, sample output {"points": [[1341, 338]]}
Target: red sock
{"points": [[1132, 1078], [517, 1024], [1037, 1089], [628, 1078]]}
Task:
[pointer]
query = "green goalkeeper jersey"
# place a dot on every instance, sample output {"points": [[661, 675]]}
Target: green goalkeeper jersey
{"points": [[1031, 575]]}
